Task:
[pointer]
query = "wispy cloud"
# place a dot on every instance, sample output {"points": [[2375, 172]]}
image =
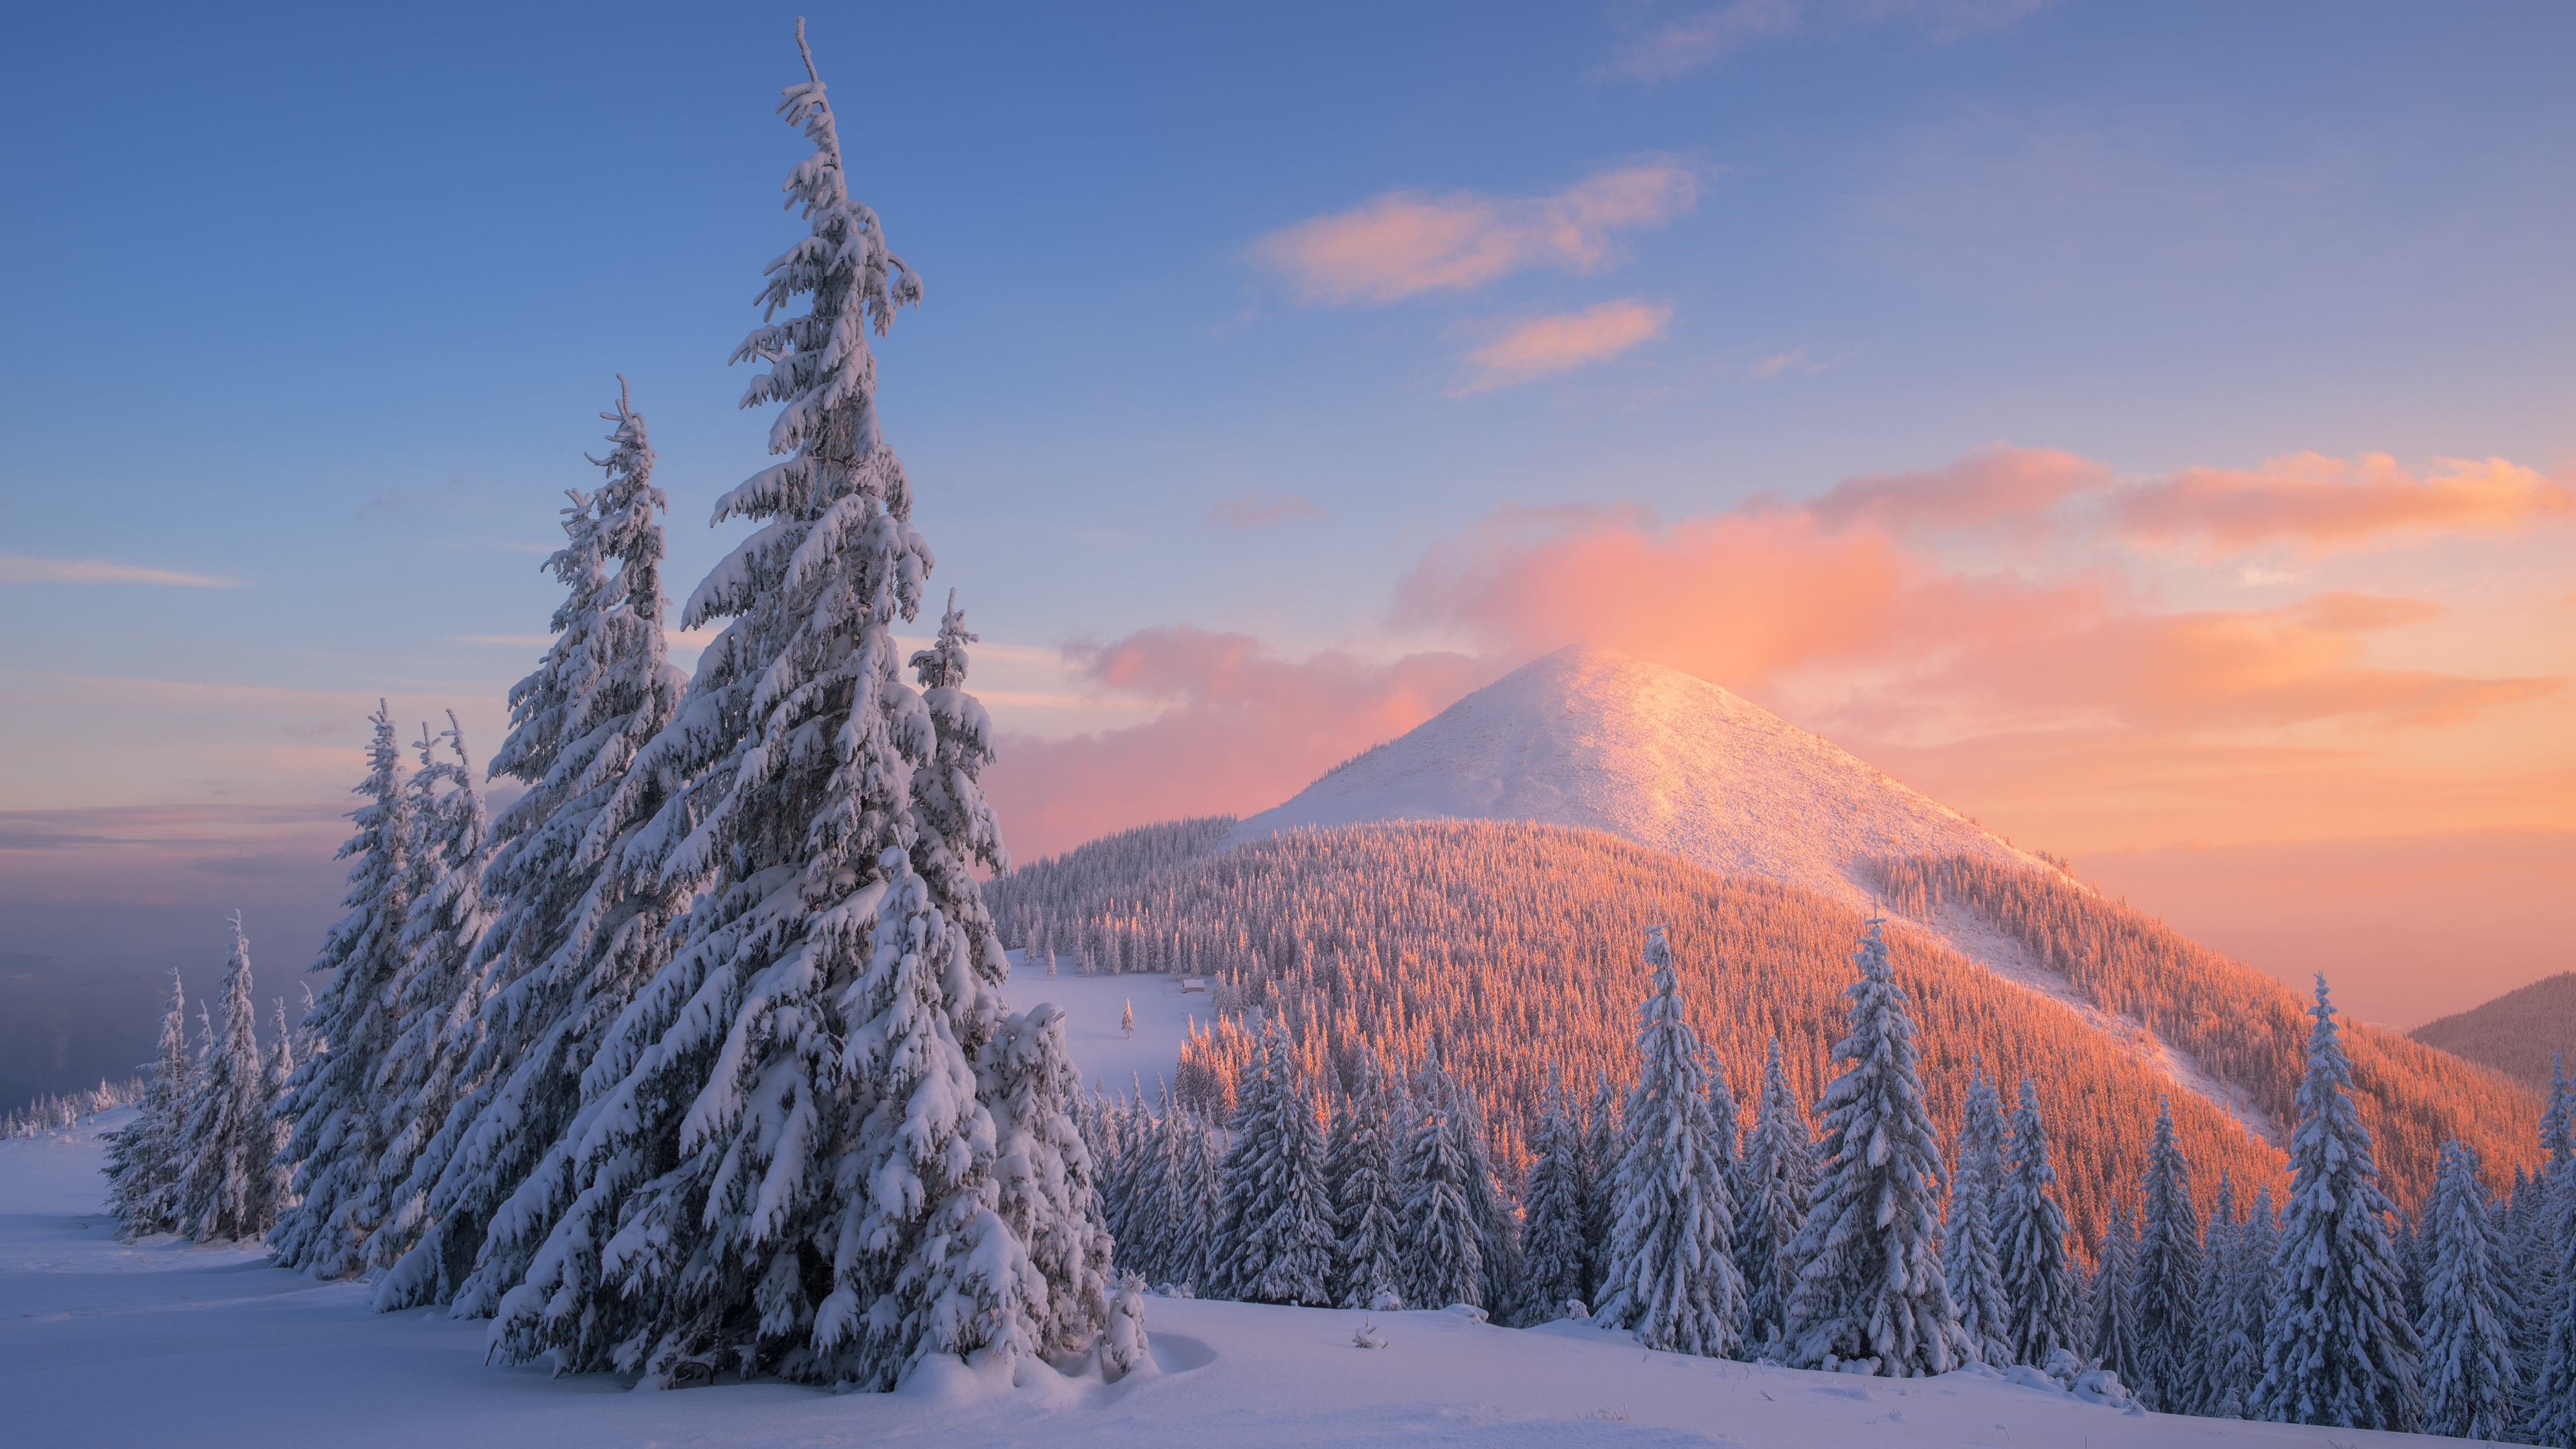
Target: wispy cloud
{"points": [[1253, 510], [1408, 242], [1678, 47], [1560, 343], [17, 569], [2314, 502]]}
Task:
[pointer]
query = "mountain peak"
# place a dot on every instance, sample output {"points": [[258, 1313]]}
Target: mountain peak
{"points": [[1598, 740]]}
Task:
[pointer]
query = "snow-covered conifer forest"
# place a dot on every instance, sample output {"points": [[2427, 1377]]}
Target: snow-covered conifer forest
{"points": [[694, 1066]]}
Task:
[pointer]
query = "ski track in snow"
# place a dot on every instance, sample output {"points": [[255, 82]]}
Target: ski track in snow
{"points": [[106, 1345], [1595, 740], [1972, 936]]}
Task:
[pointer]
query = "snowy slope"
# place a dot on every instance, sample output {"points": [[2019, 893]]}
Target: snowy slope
{"points": [[1599, 741], [103, 1344]]}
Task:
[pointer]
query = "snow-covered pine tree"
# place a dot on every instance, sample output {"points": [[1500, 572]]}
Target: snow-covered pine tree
{"points": [[1497, 1226], [2253, 1287], [1366, 1207], [339, 1135], [2338, 1351], [1044, 1177], [1137, 1197], [228, 1183], [2115, 1314], [278, 1071], [1969, 1262], [574, 932], [439, 999], [1673, 1277], [2166, 1288], [1443, 1242], [1779, 1171], [2220, 1397], [2469, 1372], [1601, 1168], [1250, 1194], [1296, 1246], [146, 1156], [1869, 1285], [1552, 1212], [2040, 1286], [793, 1156]]}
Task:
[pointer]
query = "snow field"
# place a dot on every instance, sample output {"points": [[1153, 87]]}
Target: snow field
{"points": [[110, 1344], [1107, 1056]]}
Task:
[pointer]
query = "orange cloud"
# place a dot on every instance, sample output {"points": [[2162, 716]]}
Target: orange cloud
{"points": [[1563, 342], [2313, 502], [1408, 243], [1736, 598]]}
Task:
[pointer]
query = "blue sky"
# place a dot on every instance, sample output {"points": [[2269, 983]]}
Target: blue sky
{"points": [[323, 302]]}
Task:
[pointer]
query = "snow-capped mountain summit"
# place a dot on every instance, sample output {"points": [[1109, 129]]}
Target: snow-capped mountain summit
{"points": [[1596, 740]]}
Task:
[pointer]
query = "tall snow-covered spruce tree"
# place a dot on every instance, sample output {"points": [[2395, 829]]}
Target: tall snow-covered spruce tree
{"points": [[2166, 1287], [1870, 1288], [340, 1134], [2040, 1289], [147, 1155], [1778, 1173], [1672, 1266], [2338, 1350], [2470, 1376], [1968, 1257], [228, 1186], [793, 1169], [572, 935], [1552, 1212]]}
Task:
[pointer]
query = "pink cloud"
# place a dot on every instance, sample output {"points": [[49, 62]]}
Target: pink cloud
{"points": [[2314, 502], [1407, 243], [1241, 730], [1999, 484], [1560, 343], [1253, 510]]}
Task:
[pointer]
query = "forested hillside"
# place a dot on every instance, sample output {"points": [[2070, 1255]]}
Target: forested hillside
{"points": [[1512, 947], [2516, 1034]]}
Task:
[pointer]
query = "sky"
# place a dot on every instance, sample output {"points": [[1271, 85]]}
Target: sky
{"points": [[2149, 430]]}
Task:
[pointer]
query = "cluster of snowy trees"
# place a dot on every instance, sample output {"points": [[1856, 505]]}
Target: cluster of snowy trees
{"points": [[202, 1156], [54, 1111], [1865, 1248], [695, 1058], [1496, 940]]}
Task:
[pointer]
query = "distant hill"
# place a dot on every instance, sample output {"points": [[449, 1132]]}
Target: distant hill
{"points": [[1480, 887], [2515, 1033]]}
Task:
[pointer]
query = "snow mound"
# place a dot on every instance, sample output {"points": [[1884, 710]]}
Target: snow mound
{"points": [[1597, 740]]}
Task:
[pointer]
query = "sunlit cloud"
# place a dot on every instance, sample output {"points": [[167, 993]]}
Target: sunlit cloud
{"points": [[1409, 242], [18, 569], [1561, 343], [1256, 510], [1994, 485], [2313, 502]]}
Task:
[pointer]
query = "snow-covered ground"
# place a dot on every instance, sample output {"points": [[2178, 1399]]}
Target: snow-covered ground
{"points": [[110, 1344], [1092, 1009]]}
